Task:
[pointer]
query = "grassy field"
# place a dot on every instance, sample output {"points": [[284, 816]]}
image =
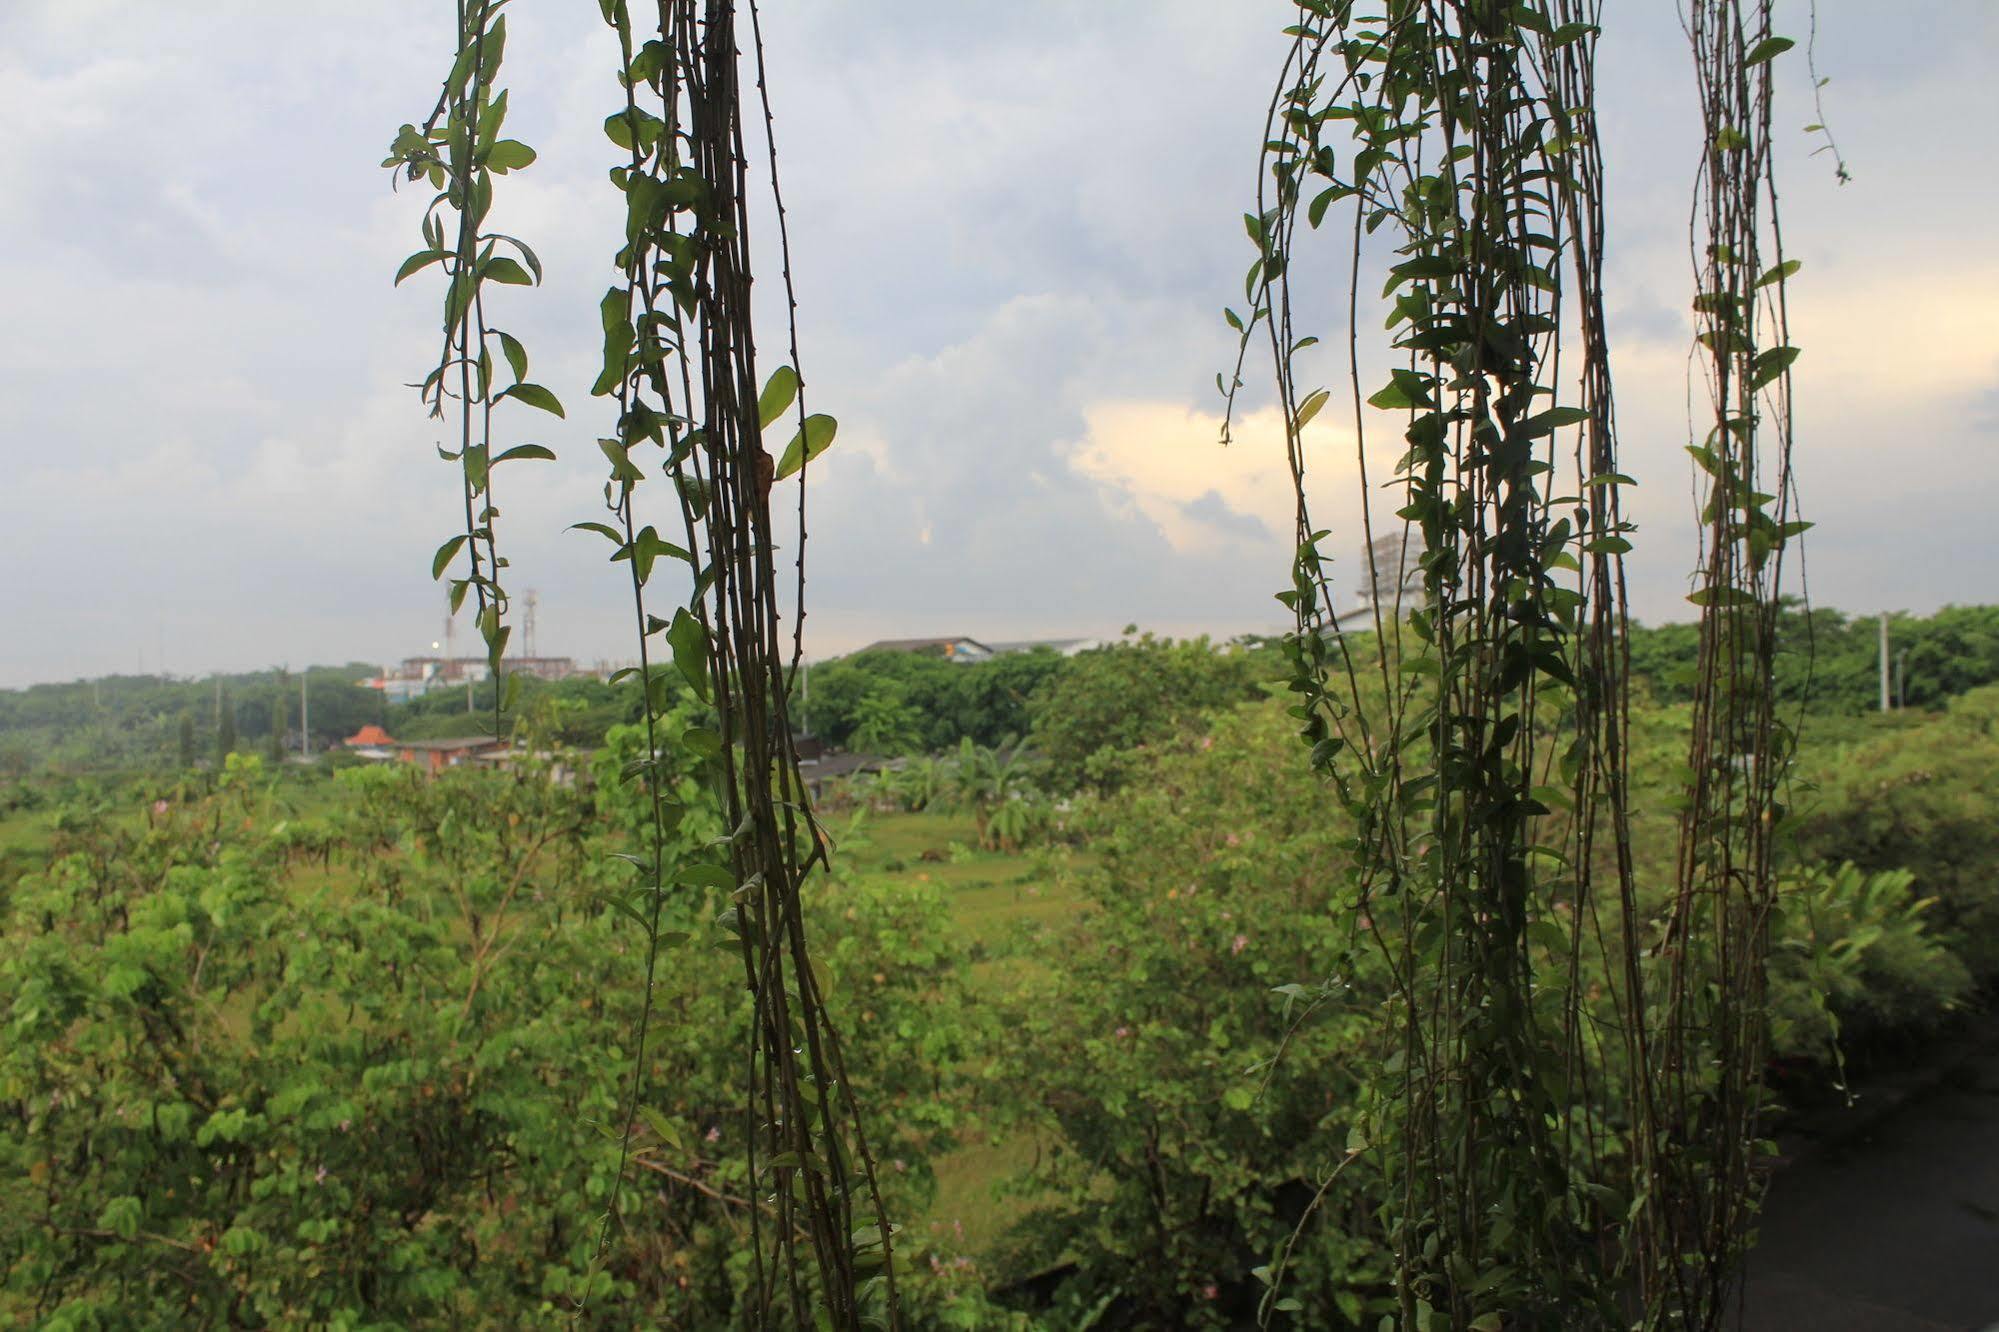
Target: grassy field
{"points": [[1006, 904]]}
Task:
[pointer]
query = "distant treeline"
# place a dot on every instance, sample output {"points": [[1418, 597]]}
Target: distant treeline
{"points": [[149, 722], [903, 702], [1108, 698], [1834, 659]]}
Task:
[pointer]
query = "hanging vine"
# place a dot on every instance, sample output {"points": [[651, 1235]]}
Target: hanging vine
{"points": [[458, 150], [1711, 1038], [679, 361], [1547, 1156]]}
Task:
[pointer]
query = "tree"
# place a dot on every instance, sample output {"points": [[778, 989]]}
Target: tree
{"points": [[274, 743], [1113, 699], [225, 729], [885, 722], [187, 740]]}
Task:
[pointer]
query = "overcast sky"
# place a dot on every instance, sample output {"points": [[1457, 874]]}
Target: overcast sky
{"points": [[1014, 225]]}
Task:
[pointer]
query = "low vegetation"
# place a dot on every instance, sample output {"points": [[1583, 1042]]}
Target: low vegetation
{"points": [[341, 1048]]}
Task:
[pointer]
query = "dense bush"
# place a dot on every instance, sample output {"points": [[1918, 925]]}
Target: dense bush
{"points": [[341, 1051], [1922, 798], [380, 1096], [1109, 702], [1854, 959], [1203, 1060], [913, 702], [1184, 1152]]}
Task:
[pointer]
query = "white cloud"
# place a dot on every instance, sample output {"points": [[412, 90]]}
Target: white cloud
{"points": [[1164, 459]]}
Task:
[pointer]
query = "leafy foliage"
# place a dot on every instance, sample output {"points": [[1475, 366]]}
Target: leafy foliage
{"points": [[385, 1094], [1110, 701], [1919, 798], [1184, 1151]]}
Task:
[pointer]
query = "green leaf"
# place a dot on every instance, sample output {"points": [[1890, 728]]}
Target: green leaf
{"points": [[1767, 49], [1721, 594], [1310, 408], [509, 155], [619, 126], [446, 553], [615, 537], [647, 547], [502, 269], [705, 876], [534, 395], [812, 439], [525, 451], [517, 355], [614, 312], [661, 1127], [1780, 272], [1405, 389], [121, 1216], [1769, 366], [1543, 423], [417, 262], [623, 470], [527, 252], [777, 397], [1316, 212], [690, 650]]}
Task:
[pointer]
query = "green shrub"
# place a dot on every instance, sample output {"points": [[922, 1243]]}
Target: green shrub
{"points": [[1922, 798], [1853, 958], [383, 1097], [1143, 691], [1183, 1153]]}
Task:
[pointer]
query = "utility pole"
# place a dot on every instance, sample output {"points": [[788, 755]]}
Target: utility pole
{"points": [[304, 718], [1884, 661]]}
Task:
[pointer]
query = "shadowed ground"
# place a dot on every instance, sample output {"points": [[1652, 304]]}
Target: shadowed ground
{"points": [[1893, 1227]]}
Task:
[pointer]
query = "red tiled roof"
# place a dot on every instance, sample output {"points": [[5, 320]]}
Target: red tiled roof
{"points": [[370, 734]]}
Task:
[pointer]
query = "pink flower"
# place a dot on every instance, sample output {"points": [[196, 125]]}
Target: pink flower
{"points": [[160, 807], [346, 1124], [713, 1135], [1241, 942], [1210, 1291], [1122, 1032], [1233, 840]]}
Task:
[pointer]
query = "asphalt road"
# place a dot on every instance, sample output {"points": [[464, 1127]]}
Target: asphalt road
{"points": [[1893, 1227]]}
